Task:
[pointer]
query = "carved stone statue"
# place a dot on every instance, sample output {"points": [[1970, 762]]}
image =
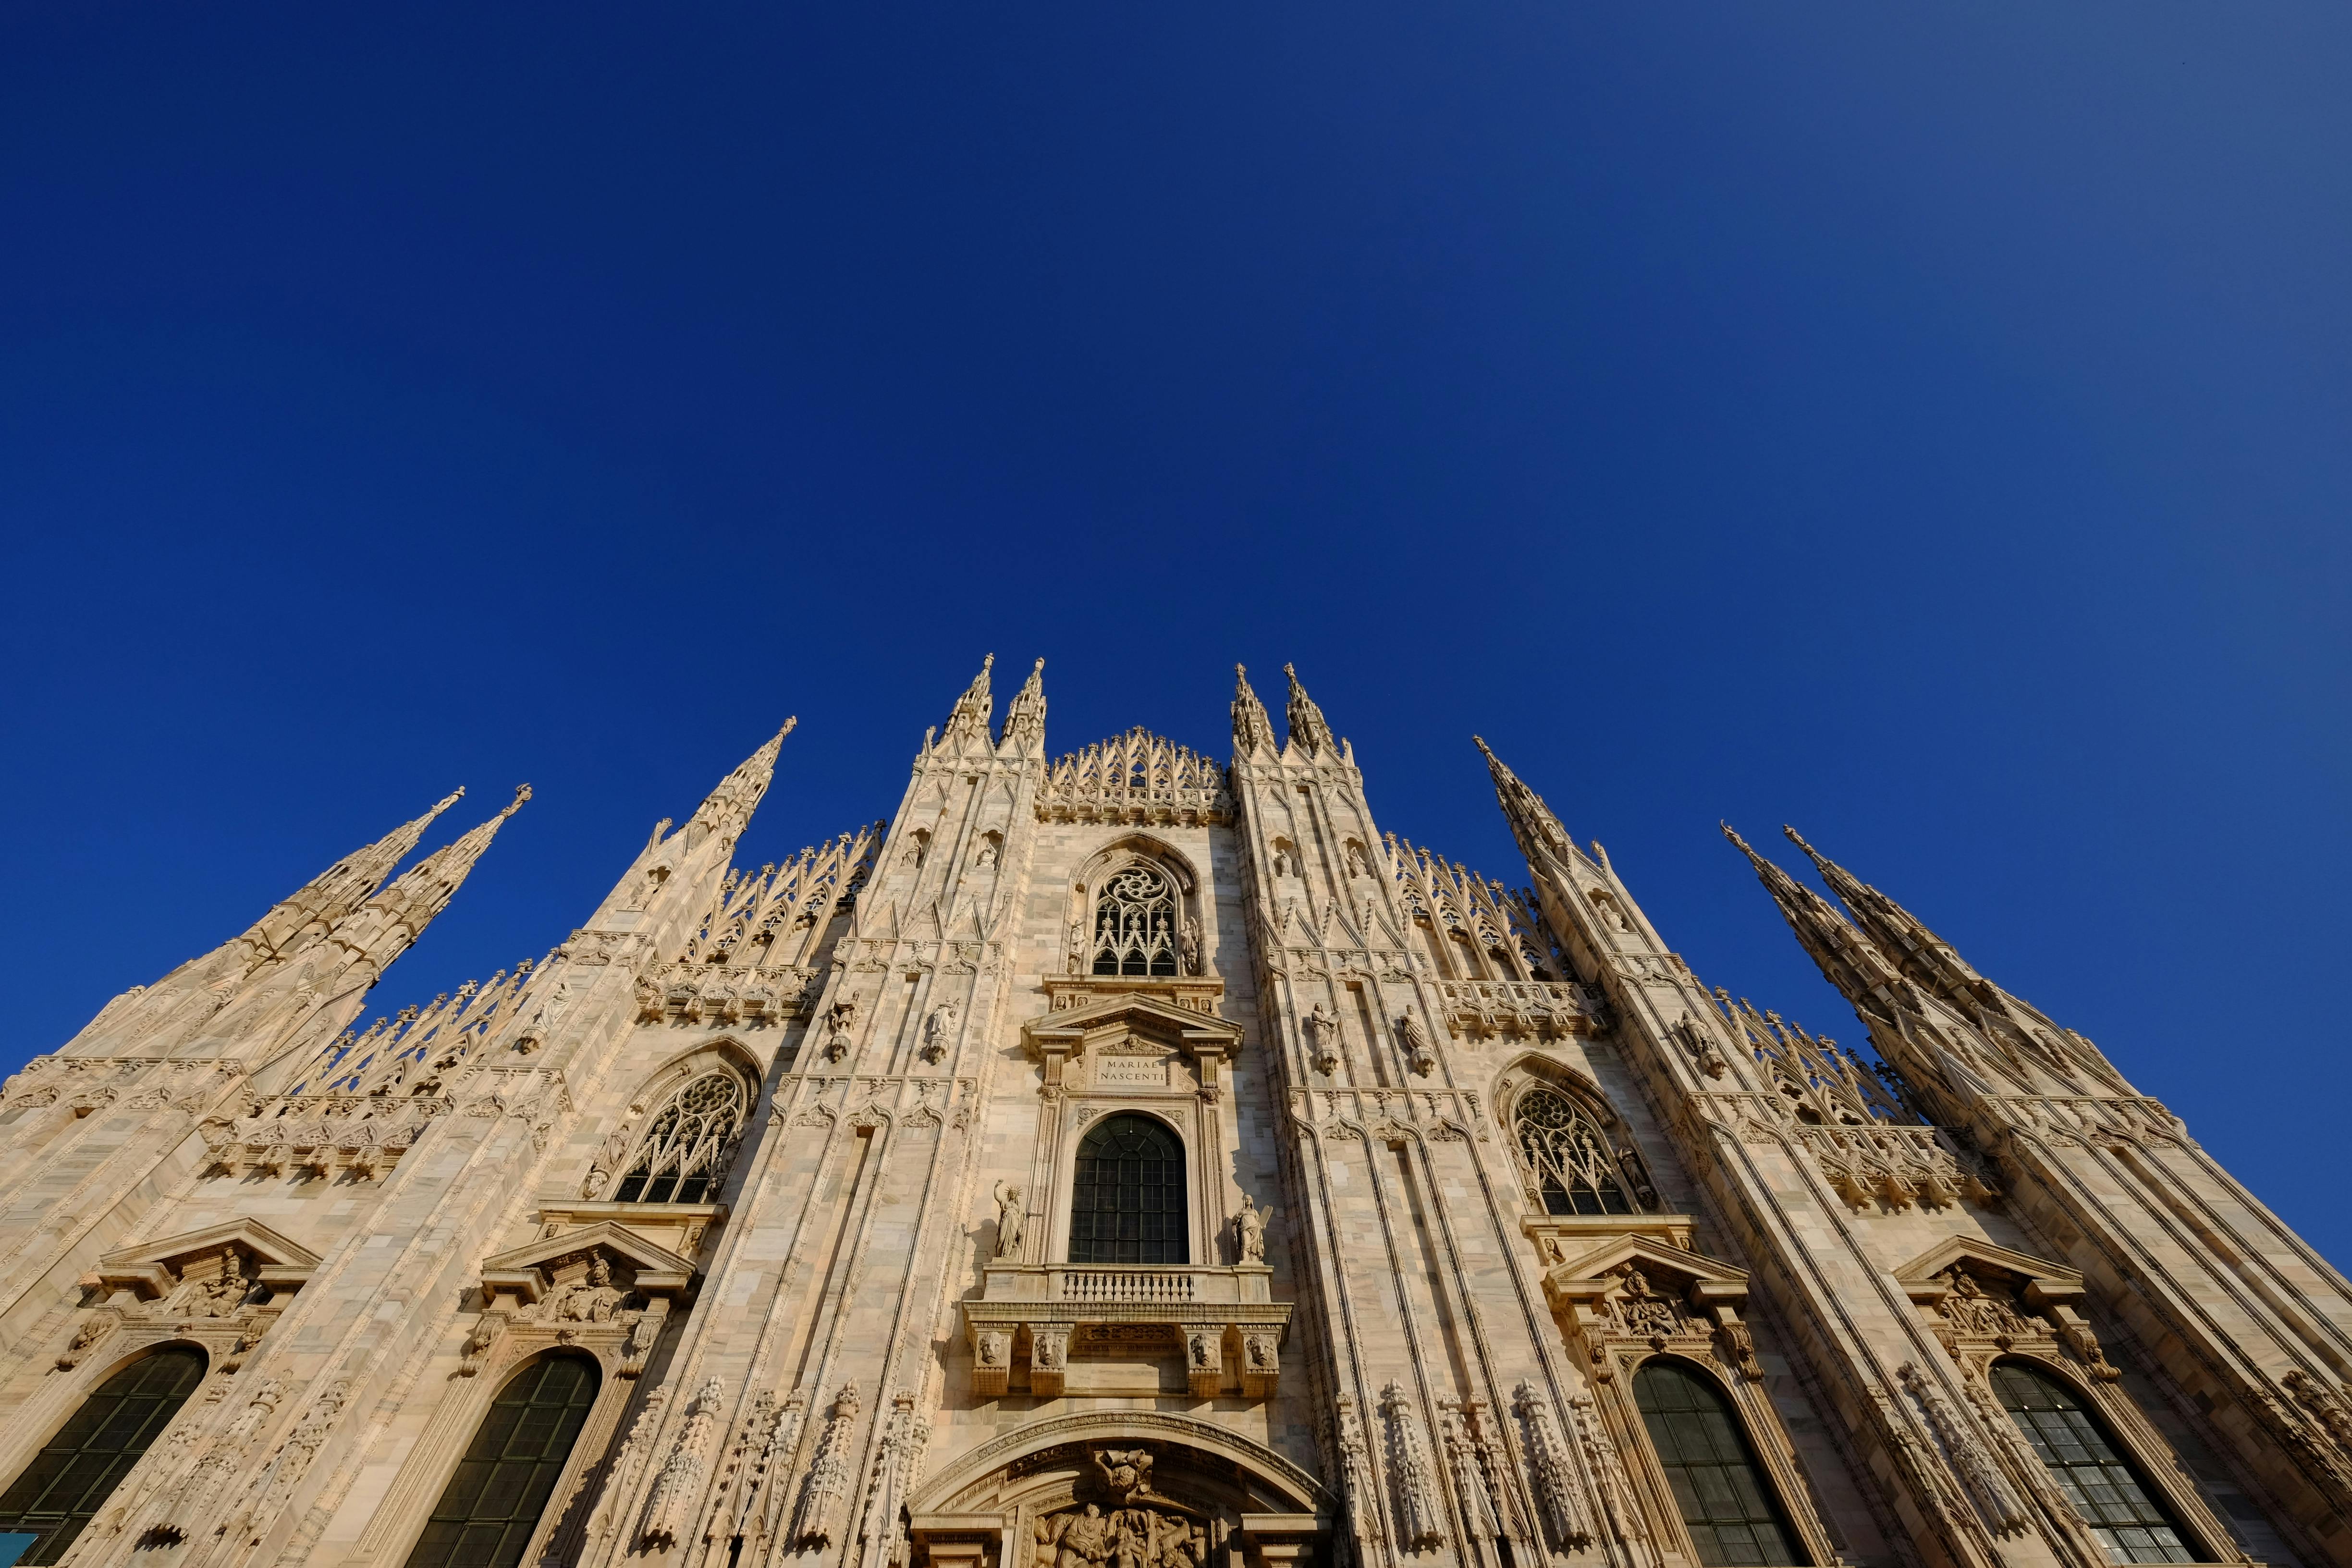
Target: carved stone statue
{"points": [[1323, 1037], [1188, 946], [839, 1020], [1249, 1232], [1282, 864], [1416, 1043], [1012, 1219], [1126, 1472], [936, 1029], [1355, 858]]}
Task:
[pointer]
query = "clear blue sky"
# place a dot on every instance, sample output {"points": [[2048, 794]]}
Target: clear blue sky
{"points": [[1926, 424]]}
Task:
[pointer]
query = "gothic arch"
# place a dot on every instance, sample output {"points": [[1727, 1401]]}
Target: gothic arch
{"points": [[1531, 1076], [622, 1150], [1677, 1400], [1180, 952]]}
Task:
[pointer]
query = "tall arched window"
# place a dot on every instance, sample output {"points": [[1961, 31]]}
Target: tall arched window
{"points": [[1135, 922], [71, 1478], [1127, 1195], [683, 1156], [491, 1506], [1568, 1161], [1727, 1504], [2075, 1448]]}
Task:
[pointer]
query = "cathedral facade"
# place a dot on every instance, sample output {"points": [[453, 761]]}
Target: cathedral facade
{"points": [[1129, 1160]]}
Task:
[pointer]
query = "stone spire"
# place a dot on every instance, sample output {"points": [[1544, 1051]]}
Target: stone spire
{"points": [[1847, 958], [1024, 716], [312, 910], [1923, 957], [1253, 731], [967, 720], [1308, 730], [1532, 822], [728, 807], [384, 926]]}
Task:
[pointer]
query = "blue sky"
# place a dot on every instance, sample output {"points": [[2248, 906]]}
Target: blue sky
{"points": [[1923, 425]]}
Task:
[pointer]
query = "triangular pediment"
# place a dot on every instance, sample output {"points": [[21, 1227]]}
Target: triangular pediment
{"points": [[1073, 1029], [1985, 1257], [1661, 1262], [152, 1268], [526, 1270]]}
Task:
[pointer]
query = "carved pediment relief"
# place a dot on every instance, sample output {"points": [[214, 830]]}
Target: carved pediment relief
{"points": [[603, 1256], [211, 1272], [1981, 1300], [1632, 1295]]}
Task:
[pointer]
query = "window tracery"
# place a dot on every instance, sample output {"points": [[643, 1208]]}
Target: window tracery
{"points": [[1570, 1167], [1136, 925], [688, 1146]]}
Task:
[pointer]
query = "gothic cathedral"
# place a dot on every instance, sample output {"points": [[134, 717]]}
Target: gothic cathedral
{"points": [[1129, 1160]]}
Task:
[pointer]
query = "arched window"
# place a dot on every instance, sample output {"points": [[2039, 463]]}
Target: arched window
{"points": [[71, 1478], [1568, 1161], [1727, 1504], [1127, 1202], [491, 1507], [1135, 922], [2075, 1448], [684, 1154]]}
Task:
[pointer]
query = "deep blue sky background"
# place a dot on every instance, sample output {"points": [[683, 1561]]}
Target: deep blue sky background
{"points": [[1926, 424]]}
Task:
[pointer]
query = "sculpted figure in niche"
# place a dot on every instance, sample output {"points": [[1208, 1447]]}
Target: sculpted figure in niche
{"points": [[1249, 1232], [936, 1029], [988, 852], [1188, 946], [839, 1019], [1323, 1037], [1355, 858], [594, 1299], [1284, 865], [1416, 1043], [1012, 1219], [1645, 1312]]}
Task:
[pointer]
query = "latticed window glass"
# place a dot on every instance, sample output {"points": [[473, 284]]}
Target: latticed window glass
{"points": [[1568, 1161], [491, 1507], [1127, 1195], [1726, 1503], [686, 1146], [2099, 1480], [1135, 923], [72, 1475]]}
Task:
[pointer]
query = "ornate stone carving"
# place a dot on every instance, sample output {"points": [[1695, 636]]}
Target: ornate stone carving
{"points": [[1421, 1518], [938, 1028], [824, 1495], [1558, 1491], [1322, 1027], [1995, 1499], [1012, 1219], [1608, 1470], [1249, 1232], [678, 1489]]}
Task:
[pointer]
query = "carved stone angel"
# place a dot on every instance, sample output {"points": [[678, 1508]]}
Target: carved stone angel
{"points": [[1249, 1232], [1012, 1219], [1323, 1037]]}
